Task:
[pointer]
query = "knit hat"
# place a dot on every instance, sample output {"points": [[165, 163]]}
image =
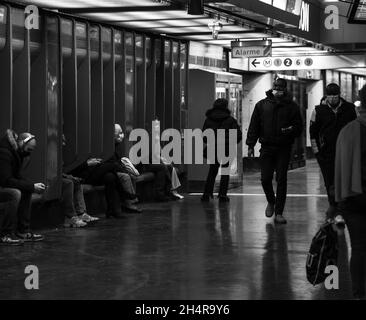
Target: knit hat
{"points": [[280, 84], [332, 89]]}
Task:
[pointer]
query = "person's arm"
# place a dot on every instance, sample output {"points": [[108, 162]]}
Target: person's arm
{"points": [[239, 133], [297, 123], [7, 179], [254, 128], [314, 132]]}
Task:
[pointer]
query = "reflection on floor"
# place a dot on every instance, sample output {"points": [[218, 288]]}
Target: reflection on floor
{"points": [[184, 250]]}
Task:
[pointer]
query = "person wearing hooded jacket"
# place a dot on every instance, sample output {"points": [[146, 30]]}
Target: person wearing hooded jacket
{"points": [[326, 122], [219, 117], [276, 122], [15, 190]]}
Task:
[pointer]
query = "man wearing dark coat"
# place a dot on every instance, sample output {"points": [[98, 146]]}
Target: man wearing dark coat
{"points": [[276, 122]]}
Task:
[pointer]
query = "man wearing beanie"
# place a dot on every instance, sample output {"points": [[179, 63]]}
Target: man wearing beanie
{"points": [[327, 120], [276, 122]]}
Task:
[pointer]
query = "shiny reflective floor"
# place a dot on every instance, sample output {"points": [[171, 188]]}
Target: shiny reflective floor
{"points": [[185, 250]]}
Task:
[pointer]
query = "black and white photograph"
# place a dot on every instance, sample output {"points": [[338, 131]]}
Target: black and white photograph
{"points": [[183, 156]]}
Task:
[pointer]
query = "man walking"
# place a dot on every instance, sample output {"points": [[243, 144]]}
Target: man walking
{"points": [[276, 122], [327, 120]]}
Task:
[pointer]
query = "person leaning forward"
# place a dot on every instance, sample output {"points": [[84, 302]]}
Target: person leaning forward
{"points": [[15, 190]]}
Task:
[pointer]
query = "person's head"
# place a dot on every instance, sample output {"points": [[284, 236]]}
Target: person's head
{"points": [[118, 133], [26, 144], [220, 104], [279, 87], [333, 93], [362, 95]]}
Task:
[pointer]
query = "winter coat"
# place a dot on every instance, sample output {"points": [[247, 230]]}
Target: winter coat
{"points": [[11, 164], [220, 118], [326, 124], [350, 164], [270, 116]]}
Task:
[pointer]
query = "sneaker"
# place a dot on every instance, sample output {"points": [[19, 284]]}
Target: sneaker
{"points": [[224, 199], [270, 210], [30, 237], [11, 241], [339, 221], [87, 218], [175, 195], [280, 219], [74, 222]]}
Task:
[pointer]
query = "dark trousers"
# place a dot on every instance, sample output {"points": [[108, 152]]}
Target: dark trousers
{"points": [[355, 216], [17, 211], [275, 160], [106, 175], [211, 178], [327, 167], [6, 224], [161, 183]]}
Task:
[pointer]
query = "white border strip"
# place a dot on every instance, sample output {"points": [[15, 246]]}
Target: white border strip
{"points": [[306, 195]]}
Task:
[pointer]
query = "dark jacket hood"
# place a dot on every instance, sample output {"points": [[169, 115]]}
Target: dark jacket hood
{"points": [[287, 98], [218, 114], [9, 141]]}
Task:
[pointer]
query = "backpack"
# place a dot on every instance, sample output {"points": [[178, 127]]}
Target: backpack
{"points": [[323, 252]]}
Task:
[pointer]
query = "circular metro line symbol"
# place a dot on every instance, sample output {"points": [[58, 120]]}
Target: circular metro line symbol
{"points": [[277, 62], [267, 63], [308, 62], [287, 62], [298, 62]]}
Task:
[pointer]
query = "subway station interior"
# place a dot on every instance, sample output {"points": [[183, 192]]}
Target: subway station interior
{"points": [[71, 70]]}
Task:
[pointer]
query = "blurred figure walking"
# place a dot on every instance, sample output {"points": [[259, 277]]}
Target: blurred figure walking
{"points": [[350, 191], [327, 120]]}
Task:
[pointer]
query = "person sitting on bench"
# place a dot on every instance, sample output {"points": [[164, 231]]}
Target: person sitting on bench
{"points": [[16, 190], [127, 177], [73, 200]]}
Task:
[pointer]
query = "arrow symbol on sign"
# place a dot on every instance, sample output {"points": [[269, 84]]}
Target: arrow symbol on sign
{"points": [[255, 63]]}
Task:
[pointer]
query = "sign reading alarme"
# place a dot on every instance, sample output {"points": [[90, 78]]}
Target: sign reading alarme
{"points": [[250, 52], [251, 49]]}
